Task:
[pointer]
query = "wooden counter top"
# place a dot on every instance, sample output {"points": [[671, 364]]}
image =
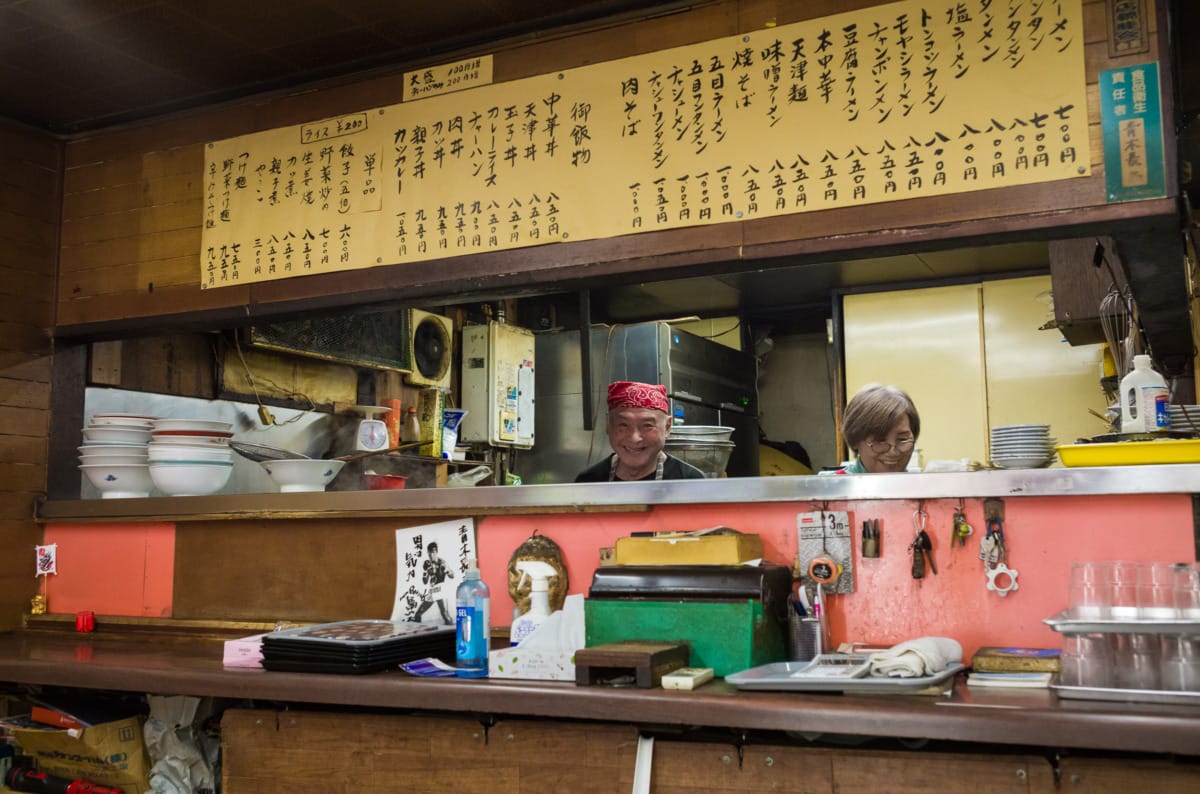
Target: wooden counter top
{"points": [[193, 667]]}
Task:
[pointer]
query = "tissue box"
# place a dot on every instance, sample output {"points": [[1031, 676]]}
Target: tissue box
{"points": [[689, 550], [531, 663], [548, 653]]}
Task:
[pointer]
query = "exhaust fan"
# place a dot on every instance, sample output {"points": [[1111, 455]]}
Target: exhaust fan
{"points": [[430, 344]]}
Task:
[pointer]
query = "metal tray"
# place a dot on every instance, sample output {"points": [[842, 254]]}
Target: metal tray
{"points": [[1125, 695], [1066, 625], [778, 676]]}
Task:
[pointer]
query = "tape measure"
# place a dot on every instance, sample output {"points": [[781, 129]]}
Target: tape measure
{"points": [[824, 570]]}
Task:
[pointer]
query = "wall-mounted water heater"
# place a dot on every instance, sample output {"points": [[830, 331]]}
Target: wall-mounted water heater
{"points": [[497, 385]]}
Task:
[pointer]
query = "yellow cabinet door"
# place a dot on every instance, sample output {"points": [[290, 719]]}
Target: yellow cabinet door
{"points": [[1034, 376], [973, 356], [928, 342]]}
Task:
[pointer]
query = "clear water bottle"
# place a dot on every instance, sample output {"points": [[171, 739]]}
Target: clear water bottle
{"points": [[472, 626]]}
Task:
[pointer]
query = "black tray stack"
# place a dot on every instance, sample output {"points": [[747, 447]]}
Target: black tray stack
{"points": [[355, 646]]}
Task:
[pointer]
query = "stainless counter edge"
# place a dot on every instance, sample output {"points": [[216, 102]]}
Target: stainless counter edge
{"points": [[608, 497]]}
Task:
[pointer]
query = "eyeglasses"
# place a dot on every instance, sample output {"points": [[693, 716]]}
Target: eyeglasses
{"points": [[901, 445]]}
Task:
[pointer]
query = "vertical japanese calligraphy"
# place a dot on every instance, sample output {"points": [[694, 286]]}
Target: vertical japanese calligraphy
{"points": [[897, 101]]}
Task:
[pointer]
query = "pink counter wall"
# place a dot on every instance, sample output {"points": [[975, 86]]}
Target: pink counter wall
{"points": [[126, 569], [1044, 535]]}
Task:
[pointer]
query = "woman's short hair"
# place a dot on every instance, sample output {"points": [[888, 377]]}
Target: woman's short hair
{"points": [[874, 411]]}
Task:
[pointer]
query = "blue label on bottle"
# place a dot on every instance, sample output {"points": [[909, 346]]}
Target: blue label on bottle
{"points": [[1162, 417], [464, 617]]}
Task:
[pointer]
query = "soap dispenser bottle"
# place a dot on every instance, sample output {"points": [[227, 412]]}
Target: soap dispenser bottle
{"points": [[539, 598], [472, 626]]}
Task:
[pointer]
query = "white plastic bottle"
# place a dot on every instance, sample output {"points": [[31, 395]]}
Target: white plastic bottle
{"points": [[472, 624], [1144, 399], [539, 598]]}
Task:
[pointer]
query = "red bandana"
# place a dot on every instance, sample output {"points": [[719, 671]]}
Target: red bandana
{"points": [[627, 394]]}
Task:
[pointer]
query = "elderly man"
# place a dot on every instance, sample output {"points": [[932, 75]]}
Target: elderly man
{"points": [[639, 422]]}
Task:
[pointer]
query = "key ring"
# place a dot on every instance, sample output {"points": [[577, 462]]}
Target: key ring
{"points": [[920, 518]]}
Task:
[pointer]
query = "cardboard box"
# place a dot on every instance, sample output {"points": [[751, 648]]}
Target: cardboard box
{"points": [[430, 404], [688, 549], [111, 753]]}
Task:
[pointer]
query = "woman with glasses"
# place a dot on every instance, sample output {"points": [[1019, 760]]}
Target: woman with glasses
{"points": [[881, 426]]}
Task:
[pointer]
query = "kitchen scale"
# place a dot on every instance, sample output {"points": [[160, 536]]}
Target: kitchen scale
{"points": [[371, 435]]}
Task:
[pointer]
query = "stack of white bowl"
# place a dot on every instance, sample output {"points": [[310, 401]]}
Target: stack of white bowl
{"points": [[1185, 418], [1022, 446], [190, 457], [113, 456]]}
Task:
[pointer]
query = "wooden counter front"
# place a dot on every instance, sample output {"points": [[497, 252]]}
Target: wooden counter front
{"points": [[193, 667]]}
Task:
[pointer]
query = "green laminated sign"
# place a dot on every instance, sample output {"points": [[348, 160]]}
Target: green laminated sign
{"points": [[1131, 118], [728, 636]]}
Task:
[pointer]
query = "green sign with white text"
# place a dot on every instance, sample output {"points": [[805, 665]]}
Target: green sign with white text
{"points": [[1131, 118]]}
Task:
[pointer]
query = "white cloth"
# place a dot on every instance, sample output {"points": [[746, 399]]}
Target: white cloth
{"points": [[916, 658]]}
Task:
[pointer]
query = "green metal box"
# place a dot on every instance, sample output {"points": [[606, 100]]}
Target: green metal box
{"points": [[727, 636]]}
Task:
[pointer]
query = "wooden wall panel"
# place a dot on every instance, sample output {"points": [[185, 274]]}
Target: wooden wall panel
{"points": [[367, 753], [30, 176], [265, 750], [303, 570], [131, 225]]}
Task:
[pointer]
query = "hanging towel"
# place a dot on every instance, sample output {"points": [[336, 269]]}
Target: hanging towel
{"points": [[916, 658]]}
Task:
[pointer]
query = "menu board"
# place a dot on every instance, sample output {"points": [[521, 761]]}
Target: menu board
{"points": [[897, 101]]}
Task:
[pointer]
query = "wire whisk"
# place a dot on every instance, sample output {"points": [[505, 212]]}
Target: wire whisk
{"points": [[1117, 324]]}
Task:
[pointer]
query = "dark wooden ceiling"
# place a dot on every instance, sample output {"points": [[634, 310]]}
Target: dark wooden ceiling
{"points": [[78, 66]]}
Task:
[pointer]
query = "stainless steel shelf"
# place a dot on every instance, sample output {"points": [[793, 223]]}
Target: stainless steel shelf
{"points": [[614, 497]]}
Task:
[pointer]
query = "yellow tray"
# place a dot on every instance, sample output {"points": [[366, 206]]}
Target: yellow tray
{"points": [[1131, 453]]}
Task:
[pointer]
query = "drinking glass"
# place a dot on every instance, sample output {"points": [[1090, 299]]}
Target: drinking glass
{"points": [[1156, 591], [1089, 595], [1181, 663], [1187, 590], [1086, 661], [1137, 661], [1125, 590]]}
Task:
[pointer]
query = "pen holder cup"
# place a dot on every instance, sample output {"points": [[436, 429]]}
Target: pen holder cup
{"points": [[804, 638]]}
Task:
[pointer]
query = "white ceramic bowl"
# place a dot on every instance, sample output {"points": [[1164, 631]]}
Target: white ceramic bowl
{"points": [[186, 478], [294, 476], [119, 480], [114, 460], [122, 420], [201, 453], [115, 449], [201, 425], [193, 437], [109, 433]]}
